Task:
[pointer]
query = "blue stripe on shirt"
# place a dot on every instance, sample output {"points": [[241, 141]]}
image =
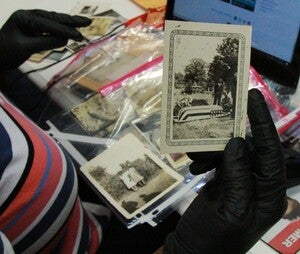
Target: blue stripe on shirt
{"points": [[85, 236], [37, 192], [53, 213], [26, 168], [1, 245]]}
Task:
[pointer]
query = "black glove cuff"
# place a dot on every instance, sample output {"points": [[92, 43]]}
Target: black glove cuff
{"points": [[174, 246]]}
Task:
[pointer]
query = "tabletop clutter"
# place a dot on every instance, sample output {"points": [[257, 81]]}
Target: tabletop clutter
{"points": [[114, 132]]}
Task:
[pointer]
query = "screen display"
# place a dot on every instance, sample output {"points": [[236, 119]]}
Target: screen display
{"points": [[275, 23]]}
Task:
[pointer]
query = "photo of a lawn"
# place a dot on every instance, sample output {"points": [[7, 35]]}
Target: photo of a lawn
{"points": [[129, 176], [205, 79], [204, 90]]}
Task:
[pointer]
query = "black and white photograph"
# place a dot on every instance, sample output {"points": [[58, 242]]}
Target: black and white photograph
{"points": [[134, 179], [76, 46], [102, 23], [96, 115], [89, 8], [205, 77]]}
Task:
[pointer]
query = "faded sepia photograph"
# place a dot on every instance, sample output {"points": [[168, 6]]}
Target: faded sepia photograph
{"points": [[134, 179], [102, 24], [96, 115], [206, 83], [75, 46], [88, 10]]}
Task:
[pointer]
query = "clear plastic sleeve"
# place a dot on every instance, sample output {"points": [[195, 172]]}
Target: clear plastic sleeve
{"points": [[288, 128], [277, 109], [130, 106], [107, 60]]}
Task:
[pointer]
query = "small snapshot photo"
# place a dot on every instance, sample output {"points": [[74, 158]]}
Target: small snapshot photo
{"points": [[88, 10], [75, 46], [205, 85], [102, 23], [96, 115], [132, 180]]}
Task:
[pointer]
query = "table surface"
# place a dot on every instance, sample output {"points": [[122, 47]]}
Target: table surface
{"points": [[128, 10]]}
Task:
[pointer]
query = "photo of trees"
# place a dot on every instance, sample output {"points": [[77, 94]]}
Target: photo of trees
{"points": [[201, 82]]}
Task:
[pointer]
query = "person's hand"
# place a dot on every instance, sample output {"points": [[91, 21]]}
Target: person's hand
{"points": [[31, 31], [204, 161], [246, 197]]}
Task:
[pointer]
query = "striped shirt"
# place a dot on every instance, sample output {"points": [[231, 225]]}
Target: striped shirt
{"points": [[40, 210]]}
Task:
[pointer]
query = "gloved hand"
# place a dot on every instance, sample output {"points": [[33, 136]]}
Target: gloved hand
{"points": [[204, 161], [31, 31], [246, 197]]}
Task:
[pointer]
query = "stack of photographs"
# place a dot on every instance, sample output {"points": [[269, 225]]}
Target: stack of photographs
{"points": [[130, 167], [133, 181], [149, 184], [109, 59]]}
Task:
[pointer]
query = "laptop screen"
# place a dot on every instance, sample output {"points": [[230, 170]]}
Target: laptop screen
{"points": [[275, 30]]}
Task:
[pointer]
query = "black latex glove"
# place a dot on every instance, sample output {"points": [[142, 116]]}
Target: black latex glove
{"points": [[204, 161], [246, 197], [31, 31]]}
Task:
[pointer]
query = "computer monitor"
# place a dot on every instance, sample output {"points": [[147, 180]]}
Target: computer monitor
{"points": [[275, 30]]}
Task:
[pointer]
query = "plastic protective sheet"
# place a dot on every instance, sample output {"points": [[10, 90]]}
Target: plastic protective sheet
{"points": [[281, 100], [283, 104], [105, 61], [277, 109], [289, 132], [130, 105], [286, 95], [288, 128]]}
